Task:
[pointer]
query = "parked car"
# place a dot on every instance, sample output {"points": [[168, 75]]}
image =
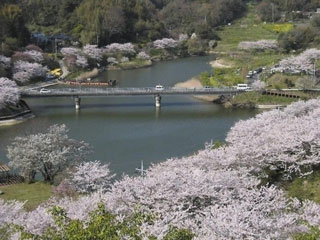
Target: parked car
{"points": [[44, 90], [259, 70], [57, 72], [50, 77], [243, 86], [159, 87]]}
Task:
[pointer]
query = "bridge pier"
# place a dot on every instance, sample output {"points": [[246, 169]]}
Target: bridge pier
{"points": [[77, 101], [157, 99]]}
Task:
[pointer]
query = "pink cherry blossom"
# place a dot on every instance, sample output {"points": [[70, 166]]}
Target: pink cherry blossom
{"points": [[258, 45], [93, 51], [9, 92], [165, 43], [5, 61]]}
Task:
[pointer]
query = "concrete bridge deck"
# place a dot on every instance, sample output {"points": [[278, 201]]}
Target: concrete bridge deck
{"points": [[76, 93], [93, 92]]}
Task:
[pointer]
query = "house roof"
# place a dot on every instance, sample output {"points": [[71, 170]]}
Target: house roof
{"points": [[4, 168]]}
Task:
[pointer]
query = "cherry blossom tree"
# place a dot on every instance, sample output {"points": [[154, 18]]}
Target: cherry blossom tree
{"points": [[70, 51], [21, 56], [81, 61], [125, 48], [93, 52], [32, 47], [279, 140], [143, 56], [165, 43], [112, 60], [64, 189], [183, 37], [11, 209], [47, 153], [5, 61], [74, 56], [35, 55], [258, 85], [70, 60], [28, 56], [216, 193], [258, 45], [301, 63], [9, 92], [91, 176], [24, 71], [124, 59]]}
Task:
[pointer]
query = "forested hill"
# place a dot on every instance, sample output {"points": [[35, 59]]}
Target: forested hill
{"points": [[105, 21]]}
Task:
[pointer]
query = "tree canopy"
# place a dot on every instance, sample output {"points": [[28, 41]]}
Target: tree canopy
{"points": [[106, 21], [46, 153]]}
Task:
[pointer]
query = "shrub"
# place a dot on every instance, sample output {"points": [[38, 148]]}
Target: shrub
{"points": [[196, 47], [279, 28], [298, 38]]}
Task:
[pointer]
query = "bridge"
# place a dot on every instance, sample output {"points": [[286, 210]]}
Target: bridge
{"points": [[76, 93]]}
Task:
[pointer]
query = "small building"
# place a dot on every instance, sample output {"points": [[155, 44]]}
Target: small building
{"points": [[4, 173]]}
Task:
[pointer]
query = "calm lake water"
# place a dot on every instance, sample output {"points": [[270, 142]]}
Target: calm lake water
{"points": [[125, 130]]}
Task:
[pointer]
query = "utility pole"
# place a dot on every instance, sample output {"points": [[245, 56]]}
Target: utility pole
{"points": [[55, 45], [314, 70], [97, 21]]}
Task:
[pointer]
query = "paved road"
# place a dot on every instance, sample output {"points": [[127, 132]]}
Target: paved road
{"points": [[65, 92]]}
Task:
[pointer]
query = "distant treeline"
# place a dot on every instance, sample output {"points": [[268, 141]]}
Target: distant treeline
{"points": [[105, 21], [270, 10]]}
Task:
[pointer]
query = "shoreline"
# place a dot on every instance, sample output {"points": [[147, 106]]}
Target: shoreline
{"points": [[196, 83], [11, 117], [130, 65], [17, 119], [219, 63]]}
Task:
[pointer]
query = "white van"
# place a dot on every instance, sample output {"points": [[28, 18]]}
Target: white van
{"points": [[243, 86], [159, 87]]}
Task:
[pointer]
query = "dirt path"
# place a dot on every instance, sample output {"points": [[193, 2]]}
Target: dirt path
{"points": [[196, 83], [64, 69], [219, 63]]}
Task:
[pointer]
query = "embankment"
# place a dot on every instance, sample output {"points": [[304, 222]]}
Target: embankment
{"points": [[196, 83], [13, 114]]}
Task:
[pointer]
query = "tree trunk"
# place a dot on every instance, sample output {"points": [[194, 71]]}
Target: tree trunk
{"points": [[31, 176]]}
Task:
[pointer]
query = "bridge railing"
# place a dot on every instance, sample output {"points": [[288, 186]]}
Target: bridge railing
{"points": [[126, 91]]}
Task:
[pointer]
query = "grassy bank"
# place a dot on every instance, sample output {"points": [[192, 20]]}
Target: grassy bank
{"points": [[305, 188], [135, 63], [247, 28], [254, 98], [34, 194]]}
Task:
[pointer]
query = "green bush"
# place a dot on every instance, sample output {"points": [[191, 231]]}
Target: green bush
{"points": [[305, 188], [298, 38], [155, 52], [102, 225], [206, 32], [313, 234], [196, 47], [221, 77], [179, 234], [3, 72]]}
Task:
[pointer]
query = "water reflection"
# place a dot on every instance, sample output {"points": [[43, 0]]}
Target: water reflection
{"points": [[126, 130]]}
